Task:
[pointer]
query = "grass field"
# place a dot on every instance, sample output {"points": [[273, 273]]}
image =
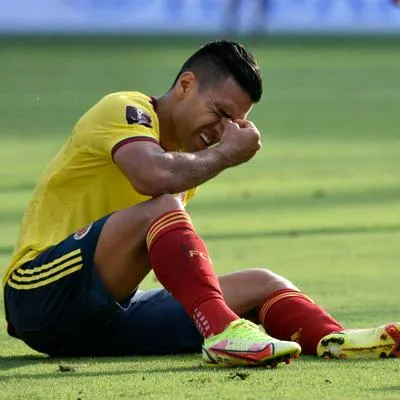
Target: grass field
{"points": [[320, 204]]}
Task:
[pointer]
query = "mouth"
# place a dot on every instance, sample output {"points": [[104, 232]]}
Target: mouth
{"points": [[206, 140]]}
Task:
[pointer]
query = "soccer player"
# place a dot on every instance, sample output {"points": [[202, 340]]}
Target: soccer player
{"points": [[110, 207]]}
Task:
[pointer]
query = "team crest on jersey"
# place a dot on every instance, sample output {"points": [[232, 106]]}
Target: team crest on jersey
{"points": [[82, 232], [137, 116]]}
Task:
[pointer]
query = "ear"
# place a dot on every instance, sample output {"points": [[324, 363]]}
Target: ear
{"points": [[185, 84]]}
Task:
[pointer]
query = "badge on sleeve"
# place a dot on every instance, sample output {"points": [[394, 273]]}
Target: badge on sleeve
{"points": [[137, 116]]}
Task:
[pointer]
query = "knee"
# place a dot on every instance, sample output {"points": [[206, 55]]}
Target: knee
{"points": [[270, 281], [167, 202], [152, 209]]}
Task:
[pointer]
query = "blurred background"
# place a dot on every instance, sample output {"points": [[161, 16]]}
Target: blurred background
{"points": [[324, 190], [199, 16]]}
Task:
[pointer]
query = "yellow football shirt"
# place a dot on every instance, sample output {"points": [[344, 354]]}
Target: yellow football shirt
{"points": [[82, 183]]}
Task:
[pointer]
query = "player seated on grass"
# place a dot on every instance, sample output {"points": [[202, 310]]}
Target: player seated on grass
{"points": [[110, 207]]}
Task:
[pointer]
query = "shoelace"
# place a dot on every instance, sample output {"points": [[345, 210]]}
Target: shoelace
{"points": [[250, 331]]}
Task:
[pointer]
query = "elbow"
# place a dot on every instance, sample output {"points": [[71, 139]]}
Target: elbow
{"points": [[152, 186]]}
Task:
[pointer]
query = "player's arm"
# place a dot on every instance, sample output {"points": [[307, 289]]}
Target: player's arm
{"points": [[154, 171]]}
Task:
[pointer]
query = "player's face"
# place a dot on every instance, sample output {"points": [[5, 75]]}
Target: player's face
{"points": [[199, 113]]}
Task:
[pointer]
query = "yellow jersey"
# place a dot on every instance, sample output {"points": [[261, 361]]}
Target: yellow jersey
{"points": [[82, 183]]}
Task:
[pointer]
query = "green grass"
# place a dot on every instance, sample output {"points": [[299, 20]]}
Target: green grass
{"points": [[319, 204]]}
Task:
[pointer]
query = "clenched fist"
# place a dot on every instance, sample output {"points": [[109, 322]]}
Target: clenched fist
{"points": [[239, 142]]}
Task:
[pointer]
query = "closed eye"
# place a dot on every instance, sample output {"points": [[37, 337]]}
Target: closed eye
{"points": [[223, 113]]}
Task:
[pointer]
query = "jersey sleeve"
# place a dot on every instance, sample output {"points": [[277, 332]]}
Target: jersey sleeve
{"points": [[115, 120], [189, 195]]}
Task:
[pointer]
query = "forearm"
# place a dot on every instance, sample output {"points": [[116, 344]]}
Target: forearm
{"points": [[182, 171], [154, 171]]}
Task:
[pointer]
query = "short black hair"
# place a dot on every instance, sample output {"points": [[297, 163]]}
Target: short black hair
{"points": [[221, 59]]}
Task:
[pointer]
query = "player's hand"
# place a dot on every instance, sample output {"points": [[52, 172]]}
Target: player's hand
{"points": [[240, 141]]}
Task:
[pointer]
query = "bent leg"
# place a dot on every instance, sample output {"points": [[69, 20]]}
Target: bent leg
{"points": [[156, 323], [284, 311], [121, 257], [159, 234], [245, 290]]}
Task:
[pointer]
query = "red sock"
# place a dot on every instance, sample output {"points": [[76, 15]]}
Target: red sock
{"points": [[290, 315], [181, 263]]}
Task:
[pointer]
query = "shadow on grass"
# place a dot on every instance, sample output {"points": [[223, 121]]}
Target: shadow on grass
{"points": [[385, 389], [6, 250], [141, 366], [343, 230], [357, 362], [319, 198], [83, 367], [11, 362]]}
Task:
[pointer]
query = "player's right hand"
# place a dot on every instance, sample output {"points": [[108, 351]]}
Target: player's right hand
{"points": [[239, 142]]}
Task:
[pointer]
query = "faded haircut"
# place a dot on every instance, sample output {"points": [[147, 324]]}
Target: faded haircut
{"points": [[219, 60]]}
